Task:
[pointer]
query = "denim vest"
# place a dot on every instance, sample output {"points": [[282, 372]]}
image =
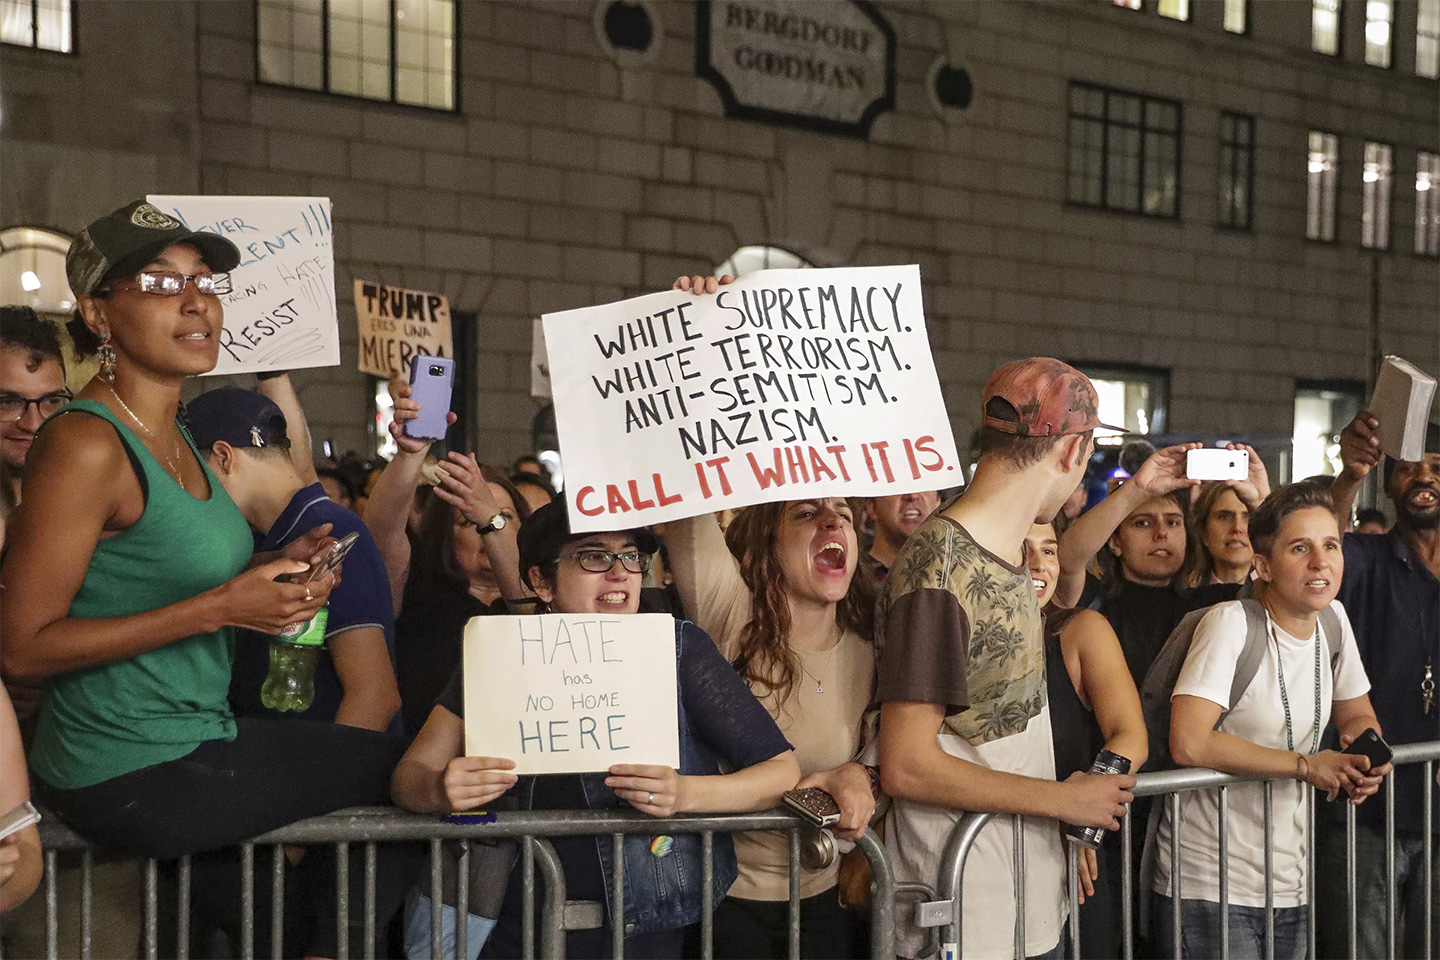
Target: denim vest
{"points": [[664, 892]]}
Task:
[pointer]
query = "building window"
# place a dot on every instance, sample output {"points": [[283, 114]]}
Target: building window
{"points": [[1320, 194], [1237, 16], [1427, 39], [397, 50], [1237, 169], [1325, 27], [1427, 204], [42, 24], [1322, 409], [1175, 9], [1375, 216], [1136, 398], [1124, 151], [1378, 16]]}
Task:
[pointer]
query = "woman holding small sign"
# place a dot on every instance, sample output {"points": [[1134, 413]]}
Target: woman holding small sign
{"points": [[721, 725]]}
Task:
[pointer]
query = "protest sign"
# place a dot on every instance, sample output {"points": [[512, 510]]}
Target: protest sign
{"points": [[397, 324], [281, 313], [572, 693], [786, 384]]}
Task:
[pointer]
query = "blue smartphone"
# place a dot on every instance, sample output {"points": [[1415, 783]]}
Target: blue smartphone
{"points": [[432, 379]]}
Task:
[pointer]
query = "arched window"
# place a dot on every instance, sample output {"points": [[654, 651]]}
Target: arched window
{"points": [[32, 270], [759, 257]]}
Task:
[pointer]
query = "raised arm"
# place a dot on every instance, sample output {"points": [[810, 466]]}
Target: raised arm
{"points": [[1359, 452], [75, 494], [708, 577], [282, 391], [466, 489], [1162, 473]]}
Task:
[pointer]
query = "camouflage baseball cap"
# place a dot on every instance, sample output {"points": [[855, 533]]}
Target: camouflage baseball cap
{"points": [[1049, 399], [122, 242]]}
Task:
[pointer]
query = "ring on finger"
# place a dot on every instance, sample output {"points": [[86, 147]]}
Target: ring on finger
{"points": [[651, 801], [308, 598]]}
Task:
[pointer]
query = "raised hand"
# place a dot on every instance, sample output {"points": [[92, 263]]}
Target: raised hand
{"points": [[1360, 446]]}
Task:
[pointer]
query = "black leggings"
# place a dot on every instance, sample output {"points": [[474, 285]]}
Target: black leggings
{"points": [[273, 773]]}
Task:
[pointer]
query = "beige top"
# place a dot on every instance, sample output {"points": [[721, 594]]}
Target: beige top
{"points": [[823, 727]]}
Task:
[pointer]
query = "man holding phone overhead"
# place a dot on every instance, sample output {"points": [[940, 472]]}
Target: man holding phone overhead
{"points": [[1391, 590]]}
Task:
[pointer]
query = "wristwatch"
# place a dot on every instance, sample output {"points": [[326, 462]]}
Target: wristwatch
{"points": [[497, 522]]}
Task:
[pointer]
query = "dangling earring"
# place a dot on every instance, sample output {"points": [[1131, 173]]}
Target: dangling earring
{"points": [[106, 353]]}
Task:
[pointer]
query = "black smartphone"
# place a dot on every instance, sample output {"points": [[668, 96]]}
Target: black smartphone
{"points": [[1371, 746]]}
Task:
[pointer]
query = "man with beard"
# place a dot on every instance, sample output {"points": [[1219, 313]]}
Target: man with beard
{"points": [[894, 519], [1392, 595]]}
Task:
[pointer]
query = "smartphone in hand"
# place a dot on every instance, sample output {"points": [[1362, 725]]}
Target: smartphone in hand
{"points": [[432, 381], [1211, 463], [814, 805], [1372, 747]]}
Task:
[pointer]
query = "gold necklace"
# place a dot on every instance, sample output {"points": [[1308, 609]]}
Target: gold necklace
{"points": [[174, 464], [820, 684]]}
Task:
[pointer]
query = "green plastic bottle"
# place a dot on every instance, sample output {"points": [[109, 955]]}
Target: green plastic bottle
{"points": [[290, 687]]}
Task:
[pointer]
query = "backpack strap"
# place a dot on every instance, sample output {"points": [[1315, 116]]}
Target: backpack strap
{"points": [[1333, 633], [1250, 655]]}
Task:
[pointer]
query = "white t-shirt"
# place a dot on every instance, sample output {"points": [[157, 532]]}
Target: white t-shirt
{"points": [[1259, 717]]}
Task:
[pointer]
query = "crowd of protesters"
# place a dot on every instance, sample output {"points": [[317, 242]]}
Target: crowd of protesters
{"points": [[915, 659]]}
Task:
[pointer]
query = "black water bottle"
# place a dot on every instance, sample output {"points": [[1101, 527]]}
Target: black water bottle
{"points": [[1105, 762]]}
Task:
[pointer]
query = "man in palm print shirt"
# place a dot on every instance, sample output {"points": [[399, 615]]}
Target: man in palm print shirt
{"points": [[961, 676]]}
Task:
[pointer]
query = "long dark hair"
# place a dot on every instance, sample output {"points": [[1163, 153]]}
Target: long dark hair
{"points": [[765, 657]]}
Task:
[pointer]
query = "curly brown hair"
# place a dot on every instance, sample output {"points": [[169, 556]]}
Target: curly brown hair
{"points": [[765, 658]]}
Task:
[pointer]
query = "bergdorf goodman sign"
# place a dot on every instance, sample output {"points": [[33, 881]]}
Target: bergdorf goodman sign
{"points": [[824, 64]]}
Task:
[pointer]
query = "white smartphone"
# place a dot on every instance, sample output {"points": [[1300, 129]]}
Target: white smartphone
{"points": [[18, 819], [1211, 463]]}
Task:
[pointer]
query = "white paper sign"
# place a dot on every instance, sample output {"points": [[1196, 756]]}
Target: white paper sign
{"points": [[572, 693], [786, 384], [281, 314]]}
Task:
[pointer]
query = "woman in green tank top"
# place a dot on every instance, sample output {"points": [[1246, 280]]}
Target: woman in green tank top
{"points": [[129, 569]]}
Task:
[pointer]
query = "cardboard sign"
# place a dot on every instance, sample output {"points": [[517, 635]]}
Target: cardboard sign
{"points": [[786, 384], [397, 324], [572, 693], [281, 314], [539, 363]]}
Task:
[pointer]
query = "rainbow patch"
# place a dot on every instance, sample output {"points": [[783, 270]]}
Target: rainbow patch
{"points": [[661, 846]]}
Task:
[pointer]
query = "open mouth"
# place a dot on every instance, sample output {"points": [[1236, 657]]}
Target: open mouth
{"points": [[1424, 498], [1163, 553], [1318, 584], [614, 597], [1039, 585], [911, 514], [197, 335], [831, 556]]}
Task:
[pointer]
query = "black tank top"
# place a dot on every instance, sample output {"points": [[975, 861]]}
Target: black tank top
{"points": [[1073, 729]]}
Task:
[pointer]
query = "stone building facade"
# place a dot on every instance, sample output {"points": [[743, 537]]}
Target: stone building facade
{"points": [[569, 176]]}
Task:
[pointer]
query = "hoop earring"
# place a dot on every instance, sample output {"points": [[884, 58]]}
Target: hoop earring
{"points": [[106, 353]]}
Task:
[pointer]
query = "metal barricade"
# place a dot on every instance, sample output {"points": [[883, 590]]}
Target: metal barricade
{"points": [[945, 912], [370, 826]]}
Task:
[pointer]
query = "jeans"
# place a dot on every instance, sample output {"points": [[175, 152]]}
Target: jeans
{"points": [[417, 929], [1332, 906], [273, 773], [1200, 930]]}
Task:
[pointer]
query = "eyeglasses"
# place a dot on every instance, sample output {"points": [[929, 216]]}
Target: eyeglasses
{"points": [[13, 406], [166, 284], [602, 561]]}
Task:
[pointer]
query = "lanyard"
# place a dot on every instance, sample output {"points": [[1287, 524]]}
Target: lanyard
{"points": [[1285, 697]]}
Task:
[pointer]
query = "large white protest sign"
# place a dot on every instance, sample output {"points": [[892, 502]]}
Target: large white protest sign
{"points": [[281, 313], [397, 324], [572, 693], [784, 385]]}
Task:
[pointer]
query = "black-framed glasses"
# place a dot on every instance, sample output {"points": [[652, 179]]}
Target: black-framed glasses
{"points": [[159, 283], [13, 406], [602, 561]]}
